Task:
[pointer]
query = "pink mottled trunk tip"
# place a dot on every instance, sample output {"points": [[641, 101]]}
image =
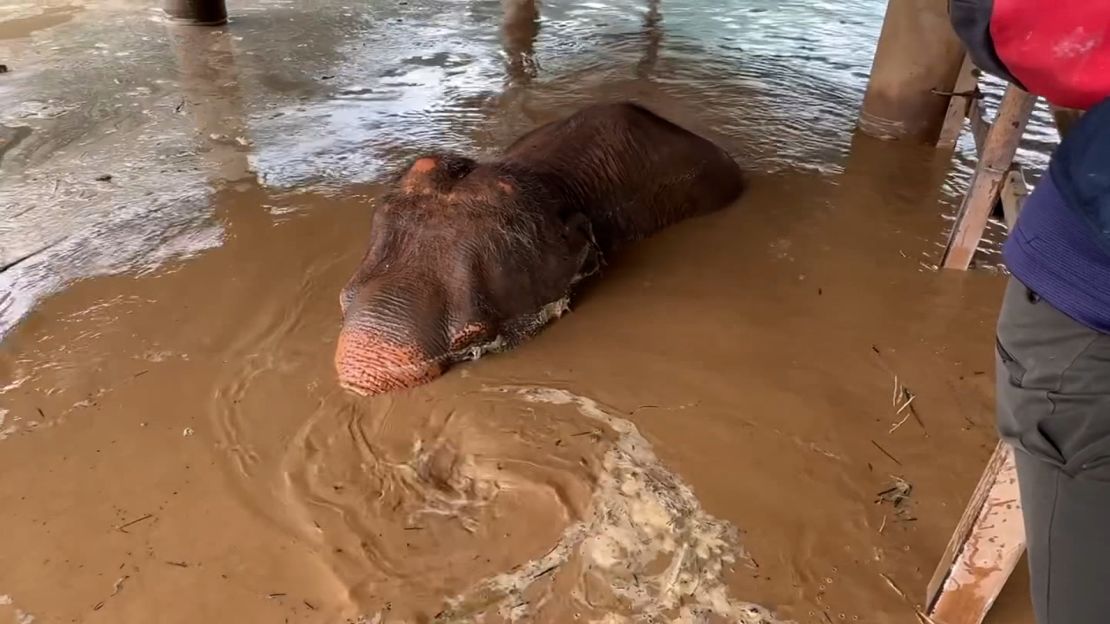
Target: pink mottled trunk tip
{"points": [[369, 364]]}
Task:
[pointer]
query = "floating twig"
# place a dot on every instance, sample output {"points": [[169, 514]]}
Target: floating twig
{"points": [[912, 396], [546, 572], [898, 424], [890, 582], [884, 452], [921, 615], [123, 527], [898, 495], [906, 396], [116, 588], [901, 397]]}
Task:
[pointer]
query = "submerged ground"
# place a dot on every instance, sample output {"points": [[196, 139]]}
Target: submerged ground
{"points": [[179, 208]]}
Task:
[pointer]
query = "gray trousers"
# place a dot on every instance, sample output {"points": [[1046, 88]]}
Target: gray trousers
{"points": [[1053, 402]]}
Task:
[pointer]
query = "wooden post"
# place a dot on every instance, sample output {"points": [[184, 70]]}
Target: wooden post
{"points": [[964, 98], [1014, 191], [984, 550], [979, 126], [1065, 118], [998, 153], [918, 55], [197, 12]]}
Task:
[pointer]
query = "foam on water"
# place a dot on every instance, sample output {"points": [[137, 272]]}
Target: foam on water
{"points": [[641, 514]]}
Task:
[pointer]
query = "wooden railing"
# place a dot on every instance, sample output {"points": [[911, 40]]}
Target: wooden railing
{"points": [[997, 177], [984, 549], [990, 538]]}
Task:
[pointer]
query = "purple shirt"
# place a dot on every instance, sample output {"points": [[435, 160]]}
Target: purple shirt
{"points": [[1056, 254]]}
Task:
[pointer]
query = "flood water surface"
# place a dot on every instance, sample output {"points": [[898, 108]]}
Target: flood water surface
{"points": [[716, 432]]}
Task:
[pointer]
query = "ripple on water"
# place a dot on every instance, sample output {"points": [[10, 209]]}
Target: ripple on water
{"points": [[520, 503], [646, 547], [329, 93]]}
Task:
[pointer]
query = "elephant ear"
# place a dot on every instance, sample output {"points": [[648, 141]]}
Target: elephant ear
{"points": [[436, 173]]}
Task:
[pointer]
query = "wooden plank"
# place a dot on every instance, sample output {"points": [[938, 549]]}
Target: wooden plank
{"points": [[964, 94], [980, 127], [1065, 118], [984, 550], [1014, 191], [998, 153]]}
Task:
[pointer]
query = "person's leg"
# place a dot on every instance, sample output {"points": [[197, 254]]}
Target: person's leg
{"points": [[1054, 409]]}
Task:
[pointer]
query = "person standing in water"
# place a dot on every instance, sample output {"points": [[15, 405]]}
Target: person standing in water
{"points": [[1053, 334]]}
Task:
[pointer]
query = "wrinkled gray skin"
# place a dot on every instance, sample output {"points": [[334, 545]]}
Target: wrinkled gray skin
{"points": [[465, 257]]}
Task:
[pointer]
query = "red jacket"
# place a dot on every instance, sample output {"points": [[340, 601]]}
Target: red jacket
{"points": [[1058, 49]]}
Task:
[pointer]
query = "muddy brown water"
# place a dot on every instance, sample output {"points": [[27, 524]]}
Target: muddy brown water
{"points": [[706, 437]]}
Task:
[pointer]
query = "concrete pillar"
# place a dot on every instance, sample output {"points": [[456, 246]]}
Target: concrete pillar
{"points": [[918, 52], [199, 12]]}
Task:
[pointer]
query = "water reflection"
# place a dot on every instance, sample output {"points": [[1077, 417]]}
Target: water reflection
{"points": [[653, 39], [520, 29], [213, 98]]}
